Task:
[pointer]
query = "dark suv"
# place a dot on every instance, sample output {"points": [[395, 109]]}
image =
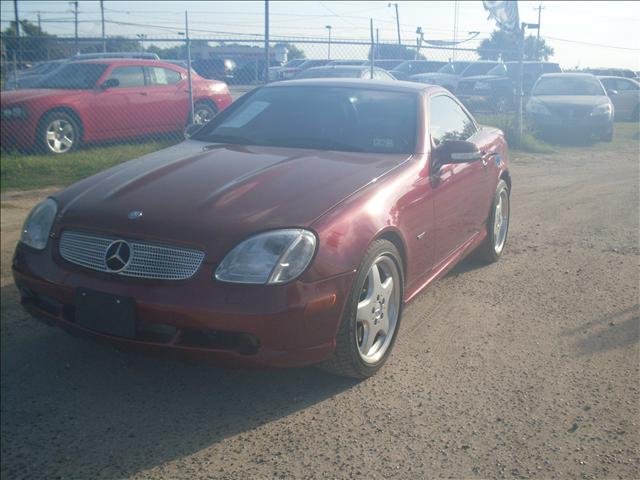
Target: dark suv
{"points": [[496, 90], [215, 68]]}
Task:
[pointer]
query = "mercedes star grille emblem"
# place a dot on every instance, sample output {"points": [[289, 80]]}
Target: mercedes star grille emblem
{"points": [[117, 256]]}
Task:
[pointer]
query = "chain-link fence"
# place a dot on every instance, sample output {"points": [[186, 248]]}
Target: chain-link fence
{"points": [[69, 92]]}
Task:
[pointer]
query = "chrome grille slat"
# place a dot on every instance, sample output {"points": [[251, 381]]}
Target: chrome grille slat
{"points": [[148, 260]]}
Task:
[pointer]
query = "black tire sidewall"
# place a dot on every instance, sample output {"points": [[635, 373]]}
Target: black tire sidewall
{"points": [[42, 144], [378, 248]]}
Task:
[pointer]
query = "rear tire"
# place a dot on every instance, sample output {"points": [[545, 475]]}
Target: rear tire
{"points": [[58, 133], [366, 337], [493, 245], [203, 112]]}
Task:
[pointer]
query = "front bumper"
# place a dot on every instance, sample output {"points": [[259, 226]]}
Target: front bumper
{"points": [[17, 133], [557, 123], [199, 318]]}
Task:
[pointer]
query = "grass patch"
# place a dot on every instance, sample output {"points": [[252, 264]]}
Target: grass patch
{"points": [[26, 172], [506, 123]]}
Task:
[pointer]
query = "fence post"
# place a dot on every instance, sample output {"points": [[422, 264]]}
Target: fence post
{"points": [[519, 119], [373, 51], [15, 71], [267, 54], [188, 44]]}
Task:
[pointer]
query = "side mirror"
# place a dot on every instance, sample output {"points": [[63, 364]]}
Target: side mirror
{"points": [[611, 92], [110, 83], [456, 151], [191, 130]]}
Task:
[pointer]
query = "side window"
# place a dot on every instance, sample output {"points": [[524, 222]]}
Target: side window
{"points": [[163, 76], [447, 121], [609, 83], [626, 85], [128, 76]]}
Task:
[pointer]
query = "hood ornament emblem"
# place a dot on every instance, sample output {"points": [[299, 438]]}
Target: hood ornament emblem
{"points": [[133, 214]]}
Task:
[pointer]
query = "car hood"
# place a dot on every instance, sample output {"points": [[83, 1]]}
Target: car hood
{"points": [[22, 96], [213, 196], [572, 100]]}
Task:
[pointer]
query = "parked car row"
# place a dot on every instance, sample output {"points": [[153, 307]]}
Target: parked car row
{"points": [[106, 99]]}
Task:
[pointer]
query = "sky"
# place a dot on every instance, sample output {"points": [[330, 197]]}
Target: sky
{"points": [[582, 33]]}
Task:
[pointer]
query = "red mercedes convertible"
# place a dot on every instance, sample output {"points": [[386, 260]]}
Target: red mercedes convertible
{"points": [[289, 230]]}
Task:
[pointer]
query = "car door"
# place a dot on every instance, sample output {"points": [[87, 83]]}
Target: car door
{"points": [[627, 99], [119, 108], [168, 98], [460, 190]]}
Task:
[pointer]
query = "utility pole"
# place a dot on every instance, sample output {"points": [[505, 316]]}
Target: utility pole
{"points": [[75, 14], [267, 54], [104, 38], [39, 24], [373, 55], [456, 12], [538, 49], [519, 87], [188, 44], [15, 10], [328, 27], [397, 22]]}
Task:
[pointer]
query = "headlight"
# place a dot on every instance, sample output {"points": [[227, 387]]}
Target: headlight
{"points": [[538, 108], [482, 86], [273, 257], [14, 112], [37, 227], [604, 109]]}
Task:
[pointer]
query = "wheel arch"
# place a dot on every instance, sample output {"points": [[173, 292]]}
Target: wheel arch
{"points": [[208, 101], [397, 240], [506, 177]]}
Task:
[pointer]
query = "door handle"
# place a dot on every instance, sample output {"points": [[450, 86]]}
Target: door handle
{"points": [[486, 156], [143, 93]]}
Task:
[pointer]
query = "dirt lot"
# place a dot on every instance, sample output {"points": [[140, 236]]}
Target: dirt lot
{"points": [[523, 369]]}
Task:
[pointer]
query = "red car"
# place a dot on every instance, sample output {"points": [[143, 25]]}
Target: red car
{"points": [[99, 100], [289, 230]]}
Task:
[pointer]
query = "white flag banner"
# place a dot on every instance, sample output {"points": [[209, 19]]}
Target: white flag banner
{"points": [[505, 13]]}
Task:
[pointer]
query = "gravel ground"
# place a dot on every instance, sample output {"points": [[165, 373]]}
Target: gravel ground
{"points": [[527, 368]]}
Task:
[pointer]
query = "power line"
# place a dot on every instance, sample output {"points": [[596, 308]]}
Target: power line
{"points": [[592, 44]]}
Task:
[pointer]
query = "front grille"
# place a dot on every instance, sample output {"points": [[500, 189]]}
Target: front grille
{"points": [[147, 260]]}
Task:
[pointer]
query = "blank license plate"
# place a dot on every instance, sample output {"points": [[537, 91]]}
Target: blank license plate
{"points": [[105, 313]]}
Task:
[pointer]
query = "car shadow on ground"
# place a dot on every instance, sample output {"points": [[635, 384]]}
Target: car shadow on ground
{"points": [[75, 409], [607, 333]]}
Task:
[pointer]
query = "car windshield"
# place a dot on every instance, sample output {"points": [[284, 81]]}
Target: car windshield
{"points": [[499, 70], [568, 86], [74, 76], [454, 68], [479, 68], [322, 118]]}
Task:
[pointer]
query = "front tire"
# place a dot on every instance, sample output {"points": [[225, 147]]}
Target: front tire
{"points": [[58, 133], [371, 319], [608, 135], [497, 224]]}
